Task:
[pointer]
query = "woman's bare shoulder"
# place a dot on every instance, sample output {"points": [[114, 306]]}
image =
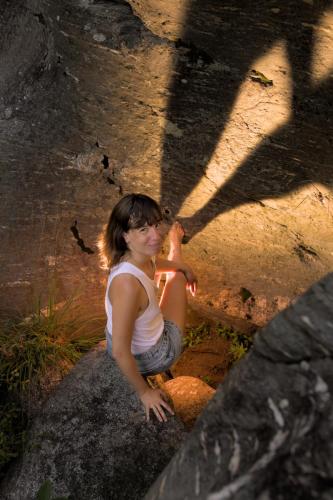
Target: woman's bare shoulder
{"points": [[125, 283]]}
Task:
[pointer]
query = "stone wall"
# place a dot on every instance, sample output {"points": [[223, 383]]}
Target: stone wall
{"points": [[114, 97]]}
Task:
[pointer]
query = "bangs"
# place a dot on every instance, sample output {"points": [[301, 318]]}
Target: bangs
{"points": [[145, 211]]}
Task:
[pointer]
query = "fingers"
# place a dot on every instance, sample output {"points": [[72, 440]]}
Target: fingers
{"points": [[160, 413], [192, 287], [158, 407], [161, 417], [167, 407]]}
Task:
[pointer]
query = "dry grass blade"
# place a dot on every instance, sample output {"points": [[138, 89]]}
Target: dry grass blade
{"points": [[54, 336]]}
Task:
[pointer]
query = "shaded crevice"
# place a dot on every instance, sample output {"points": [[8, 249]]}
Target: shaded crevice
{"points": [[105, 161], [79, 240], [110, 179], [40, 18], [305, 253]]}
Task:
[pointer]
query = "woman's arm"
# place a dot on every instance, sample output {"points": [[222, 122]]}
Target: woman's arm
{"points": [[169, 266], [125, 297]]}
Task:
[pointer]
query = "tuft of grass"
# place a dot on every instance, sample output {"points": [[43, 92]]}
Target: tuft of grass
{"points": [[196, 334], [54, 337], [225, 332], [237, 351], [49, 341], [240, 343]]}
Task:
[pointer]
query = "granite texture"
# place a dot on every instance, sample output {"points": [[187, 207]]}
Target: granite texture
{"points": [[91, 439], [268, 432]]}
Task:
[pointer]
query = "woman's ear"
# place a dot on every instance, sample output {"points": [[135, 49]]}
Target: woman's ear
{"points": [[125, 236]]}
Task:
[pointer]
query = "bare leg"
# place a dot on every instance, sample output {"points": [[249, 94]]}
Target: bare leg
{"points": [[174, 300]]}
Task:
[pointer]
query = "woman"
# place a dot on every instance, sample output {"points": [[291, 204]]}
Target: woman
{"points": [[144, 336]]}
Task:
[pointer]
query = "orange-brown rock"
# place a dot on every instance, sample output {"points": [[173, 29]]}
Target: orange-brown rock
{"points": [[189, 396]]}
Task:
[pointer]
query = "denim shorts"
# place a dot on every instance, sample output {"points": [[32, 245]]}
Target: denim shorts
{"points": [[160, 356]]}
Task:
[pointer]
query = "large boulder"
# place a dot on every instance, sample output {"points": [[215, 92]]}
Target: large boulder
{"points": [[92, 441], [268, 432]]}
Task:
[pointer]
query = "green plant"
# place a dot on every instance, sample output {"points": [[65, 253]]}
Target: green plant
{"points": [[54, 337], [195, 335], [49, 341], [239, 342], [237, 351], [225, 331]]}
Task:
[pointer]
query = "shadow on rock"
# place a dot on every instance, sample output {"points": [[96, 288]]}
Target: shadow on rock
{"points": [[218, 48]]}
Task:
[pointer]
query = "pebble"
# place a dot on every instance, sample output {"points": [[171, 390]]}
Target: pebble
{"points": [[99, 37]]}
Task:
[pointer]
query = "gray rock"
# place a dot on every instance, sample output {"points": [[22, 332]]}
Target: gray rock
{"points": [[92, 441], [268, 431]]}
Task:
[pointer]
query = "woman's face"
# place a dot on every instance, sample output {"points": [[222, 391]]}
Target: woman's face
{"points": [[145, 240]]}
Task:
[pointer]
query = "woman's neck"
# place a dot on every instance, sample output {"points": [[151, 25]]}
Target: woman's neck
{"points": [[143, 262]]}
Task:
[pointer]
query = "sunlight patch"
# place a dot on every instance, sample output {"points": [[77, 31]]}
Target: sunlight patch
{"points": [[260, 109]]}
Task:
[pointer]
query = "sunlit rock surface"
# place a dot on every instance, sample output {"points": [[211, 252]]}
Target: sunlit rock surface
{"points": [[91, 439], [189, 396], [100, 98], [268, 432]]}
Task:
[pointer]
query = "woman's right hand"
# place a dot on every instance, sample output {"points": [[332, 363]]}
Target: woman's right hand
{"points": [[154, 399], [191, 279]]}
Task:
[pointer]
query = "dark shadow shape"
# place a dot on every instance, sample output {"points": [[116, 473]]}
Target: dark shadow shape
{"points": [[202, 99]]}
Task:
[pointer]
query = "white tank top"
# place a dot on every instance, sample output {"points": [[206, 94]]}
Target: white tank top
{"points": [[148, 327]]}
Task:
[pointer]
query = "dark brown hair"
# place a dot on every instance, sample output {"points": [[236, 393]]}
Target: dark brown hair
{"points": [[131, 212]]}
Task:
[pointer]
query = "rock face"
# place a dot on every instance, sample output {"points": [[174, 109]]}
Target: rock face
{"points": [[268, 432], [53, 161], [155, 96], [92, 441]]}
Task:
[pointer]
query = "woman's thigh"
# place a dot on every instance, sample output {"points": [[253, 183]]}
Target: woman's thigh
{"points": [[162, 355], [173, 302]]}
